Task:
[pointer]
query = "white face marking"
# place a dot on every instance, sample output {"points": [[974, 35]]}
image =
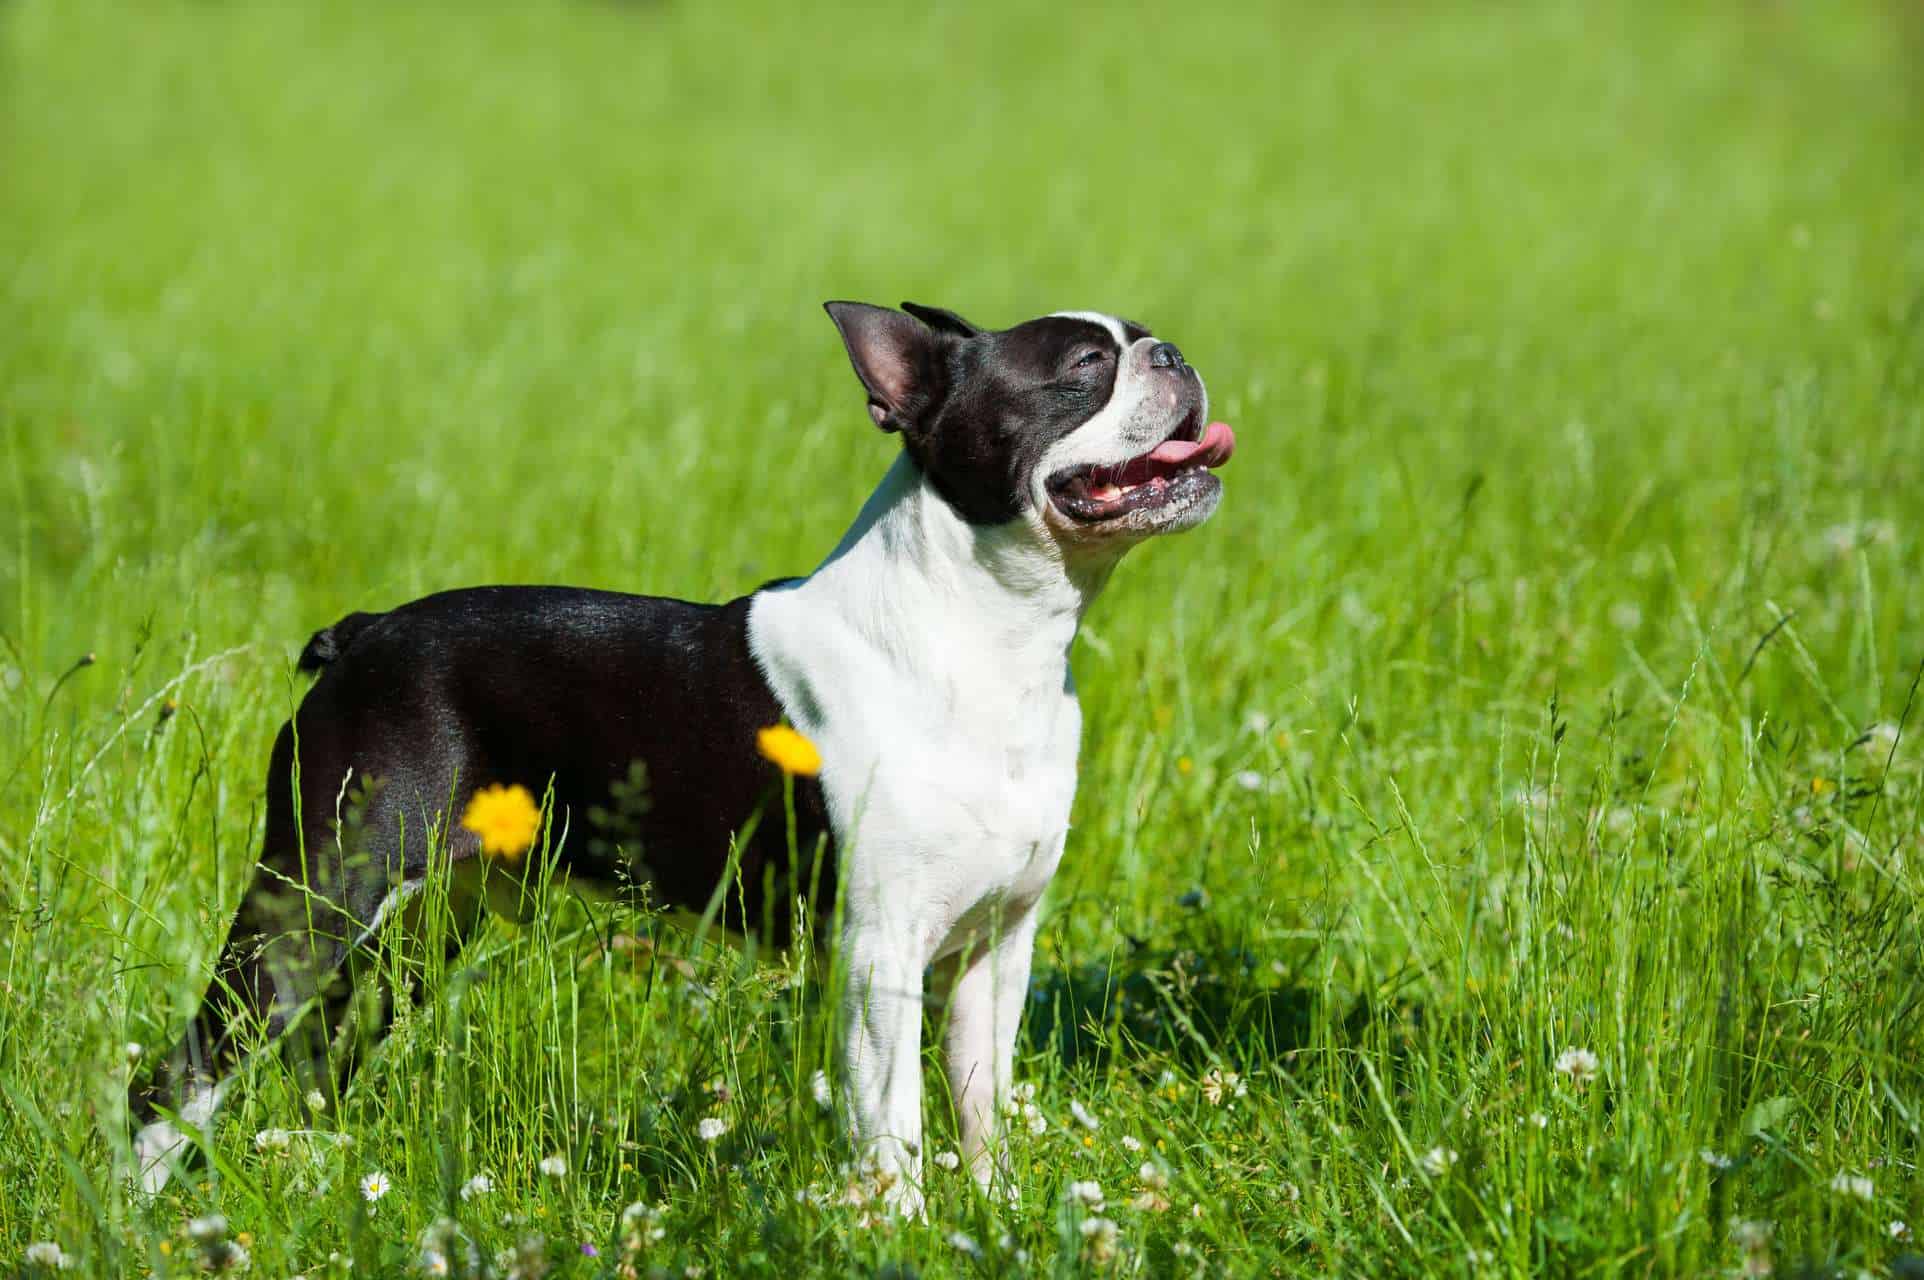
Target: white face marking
{"points": [[1109, 322], [1140, 415]]}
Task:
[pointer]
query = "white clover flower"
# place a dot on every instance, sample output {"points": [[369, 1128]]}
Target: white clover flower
{"points": [[1131, 1144], [375, 1185], [1247, 779], [1088, 1194], [554, 1166], [1438, 1160], [1538, 1119], [1899, 1230], [479, 1185], [1715, 1159], [209, 1228], [1099, 1236], [132, 1050], [1153, 1176], [1024, 1092], [273, 1140], [1850, 1184], [711, 1128], [947, 1160], [316, 1100], [1083, 1116], [641, 1226], [1032, 1115], [1218, 1086], [48, 1254], [963, 1244], [1579, 1064], [818, 1089]]}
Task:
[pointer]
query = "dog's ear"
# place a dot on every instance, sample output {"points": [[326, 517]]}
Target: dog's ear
{"points": [[942, 320], [899, 359]]}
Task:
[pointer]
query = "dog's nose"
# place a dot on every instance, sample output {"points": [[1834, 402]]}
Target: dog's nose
{"points": [[1165, 355]]}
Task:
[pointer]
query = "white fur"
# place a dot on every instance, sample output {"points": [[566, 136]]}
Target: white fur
{"points": [[1136, 419], [929, 661], [1114, 326], [159, 1145]]}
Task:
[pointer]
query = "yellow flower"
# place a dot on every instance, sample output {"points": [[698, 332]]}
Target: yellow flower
{"points": [[1818, 786], [788, 749], [506, 819], [1185, 766]]}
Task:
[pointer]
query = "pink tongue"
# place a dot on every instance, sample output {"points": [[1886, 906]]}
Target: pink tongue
{"points": [[1217, 443]]}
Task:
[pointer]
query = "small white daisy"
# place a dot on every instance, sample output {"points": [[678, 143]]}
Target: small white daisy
{"points": [[947, 1160], [479, 1185], [1083, 1115], [1579, 1064], [1088, 1194], [1850, 1184], [554, 1166], [375, 1185], [711, 1128]]}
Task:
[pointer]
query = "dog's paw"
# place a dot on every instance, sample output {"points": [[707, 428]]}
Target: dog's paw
{"points": [[156, 1149]]}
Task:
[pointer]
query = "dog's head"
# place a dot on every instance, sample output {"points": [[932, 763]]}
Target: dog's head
{"points": [[1082, 425]]}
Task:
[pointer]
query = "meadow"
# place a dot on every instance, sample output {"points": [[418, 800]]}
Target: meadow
{"points": [[1500, 834]]}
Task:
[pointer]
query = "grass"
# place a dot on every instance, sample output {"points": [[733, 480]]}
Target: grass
{"points": [[1546, 680]]}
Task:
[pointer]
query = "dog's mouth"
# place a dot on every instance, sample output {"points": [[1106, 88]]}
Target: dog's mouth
{"points": [[1174, 472]]}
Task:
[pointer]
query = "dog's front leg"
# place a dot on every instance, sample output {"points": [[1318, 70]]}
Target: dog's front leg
{"points": [[882, 1056], [984, 1018]]}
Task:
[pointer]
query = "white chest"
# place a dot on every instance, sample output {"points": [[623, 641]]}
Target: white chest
{"points": [[940, 698]]}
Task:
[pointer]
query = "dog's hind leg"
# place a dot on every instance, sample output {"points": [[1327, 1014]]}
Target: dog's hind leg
{"points": [[321, 892]]}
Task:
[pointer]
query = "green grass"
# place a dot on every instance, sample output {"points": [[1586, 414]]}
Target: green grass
{"points": [[1534, 688]]}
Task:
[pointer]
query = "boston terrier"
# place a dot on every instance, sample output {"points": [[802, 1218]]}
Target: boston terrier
{"points": [[927, 659]]}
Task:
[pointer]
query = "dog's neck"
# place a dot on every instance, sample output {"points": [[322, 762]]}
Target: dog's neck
{"points": [[910, 574]]}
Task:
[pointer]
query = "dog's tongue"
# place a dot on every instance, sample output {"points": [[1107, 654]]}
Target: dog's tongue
{"points": [[1217, 443]]}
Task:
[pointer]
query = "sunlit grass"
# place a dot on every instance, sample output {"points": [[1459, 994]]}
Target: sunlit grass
{"points": [[1542, 693]]}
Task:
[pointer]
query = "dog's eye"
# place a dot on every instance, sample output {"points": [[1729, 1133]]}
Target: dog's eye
{"points": [[1091, 357]]}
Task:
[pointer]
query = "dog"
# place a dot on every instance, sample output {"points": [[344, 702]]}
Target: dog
{"points": [[927, 659]]}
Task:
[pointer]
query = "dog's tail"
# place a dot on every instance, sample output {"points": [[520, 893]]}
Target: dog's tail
{"points": [[330, 643]]}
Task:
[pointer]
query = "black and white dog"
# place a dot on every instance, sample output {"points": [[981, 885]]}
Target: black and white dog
{"points": [[927, 658]]}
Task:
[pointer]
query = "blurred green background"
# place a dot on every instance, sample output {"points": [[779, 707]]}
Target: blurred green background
{"points": [[1571, 350]]}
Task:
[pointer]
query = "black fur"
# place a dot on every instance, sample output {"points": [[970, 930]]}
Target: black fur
{"points": [[417, 708]]}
